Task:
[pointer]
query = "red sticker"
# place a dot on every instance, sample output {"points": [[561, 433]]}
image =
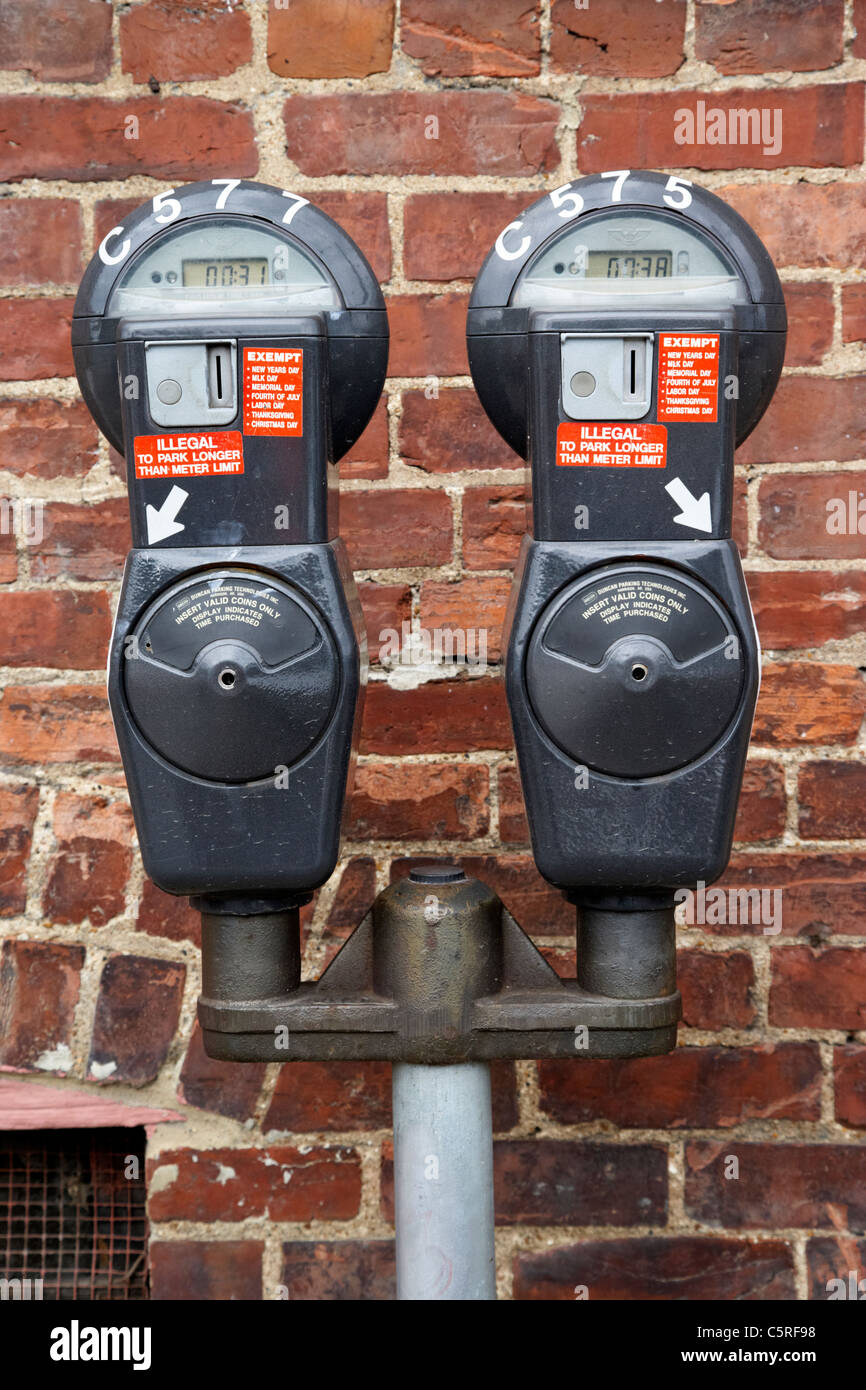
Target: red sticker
{"points": [[688, 376], [273, 390], [593, 445], [189, 455]]}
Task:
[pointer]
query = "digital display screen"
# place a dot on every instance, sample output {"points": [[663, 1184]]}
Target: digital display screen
{"points": [[219, 273], [633, 265]]}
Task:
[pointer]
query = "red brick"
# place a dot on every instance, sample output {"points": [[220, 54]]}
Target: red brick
{"points": [[278, 1182], [820, 125], [814, 516], [818, 989], [446, 235], [810, 323], [226, 1088], [8, 557], [57, 40], [386, 607], [643, 38], [785, 217], [109, 213], [19, 804], [62, 629], [162, 914], [836, 1258], [426, 801], [801, 703], [832, 801], [441, 716], [782, 1185], [740, 518], [46, 439], [758, 36], [763, 803], [137, 1013], [357, 1271], [39, 987], [368, 458], [205, 1270], [811, 418], [85, 138], [716, 987], [174, 41], [495, 520], [34, 336], [397, 526], [453, 132], [89, 543], [501, 39], [513, 825], [365, 217], [822, 894], [306, 39], [56, 724], [805, 608], [659, 1269], [853, 313], [89, 869], [534, 904], [693, 1087], [428, 335], [331, 1096], [849, 1074], [450, 433], [40, 240], [354, 897], [858, 47], [471, 602]]}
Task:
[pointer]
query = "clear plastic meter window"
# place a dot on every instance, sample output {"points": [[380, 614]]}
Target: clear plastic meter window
{"points": [[646, 259], [223, 265]]}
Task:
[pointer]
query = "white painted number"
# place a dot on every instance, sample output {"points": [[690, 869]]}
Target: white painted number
{"points": [[619, 177], [297, 204], [503, 251], [560, 196], [680, 186], [105, 255], [166, 208], [229, 186]]}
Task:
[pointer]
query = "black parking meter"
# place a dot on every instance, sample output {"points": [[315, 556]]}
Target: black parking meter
{"points": [[230, 341], [625, 334]]}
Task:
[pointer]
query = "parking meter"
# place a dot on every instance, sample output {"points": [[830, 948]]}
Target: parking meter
{"points": [[231, 341], [625, 334]]}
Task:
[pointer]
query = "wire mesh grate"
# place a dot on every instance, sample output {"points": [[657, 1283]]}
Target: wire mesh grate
{"points": [[73, 1214]]}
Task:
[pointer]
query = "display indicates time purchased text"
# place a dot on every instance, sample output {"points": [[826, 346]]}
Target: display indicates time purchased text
{"points": [[688, 377], [189, 455], [594, 445], [273, 391]]}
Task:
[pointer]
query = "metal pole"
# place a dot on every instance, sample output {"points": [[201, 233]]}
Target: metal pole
{"points": [[443, 1181]]}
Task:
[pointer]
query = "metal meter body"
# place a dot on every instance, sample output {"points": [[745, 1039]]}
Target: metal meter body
{"points": [[231, 342], [625, 333]]}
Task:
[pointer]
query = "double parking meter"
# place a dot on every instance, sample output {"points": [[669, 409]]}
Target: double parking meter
{"points": [[625, 334], [230, 340]]}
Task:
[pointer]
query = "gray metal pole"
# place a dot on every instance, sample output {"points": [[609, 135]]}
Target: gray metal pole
{"points": [[443, 1181]]}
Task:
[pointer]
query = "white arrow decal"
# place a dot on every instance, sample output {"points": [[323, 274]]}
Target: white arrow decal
{"points": [[695, 511], [162, 523]]}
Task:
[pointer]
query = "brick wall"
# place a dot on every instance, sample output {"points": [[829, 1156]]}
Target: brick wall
{"points": [[611, 1175]]}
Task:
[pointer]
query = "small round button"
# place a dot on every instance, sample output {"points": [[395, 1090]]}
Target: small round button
{"points": [[583, 383], [169, 391]]}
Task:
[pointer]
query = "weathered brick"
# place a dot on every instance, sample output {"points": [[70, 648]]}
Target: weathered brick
{"points": [[781, 1185], [96, 138], [450, 433], [693, 1087], [57, 40], [495, 520], [452, 132], [805, 608], [331, 1096], [227, 1088], [757, 36], [821, 894], [801, 703], [853, 313], [832, 801], [445, 235], [205, 1270], [785, 217], [306, 39], [40, 239], [472, 602], [368, 458], [813, 516], [64, 628], [397, 526], [34, 336], [162, 914], [428, 335], [178, 41], [818, 989], [56, 724], [810, 322], [831, 1263], [441, 716], [279, 1182], [339, 1270], [811, 418], [386, 608], [365, 217], [643, 38], [819, 126], [19, 804], [716, 987], [80, 542], [419, 801], [8, 557], [354, 897], [513, 825], [500, 39], [137, 1012], [658, 1268], [46, 439], [849, 1076], [763, 803], [39, 988], [89, 868]]}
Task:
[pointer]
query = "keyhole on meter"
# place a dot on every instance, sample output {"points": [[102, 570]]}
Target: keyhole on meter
{"points": [[639, 672], [227, 678]]}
